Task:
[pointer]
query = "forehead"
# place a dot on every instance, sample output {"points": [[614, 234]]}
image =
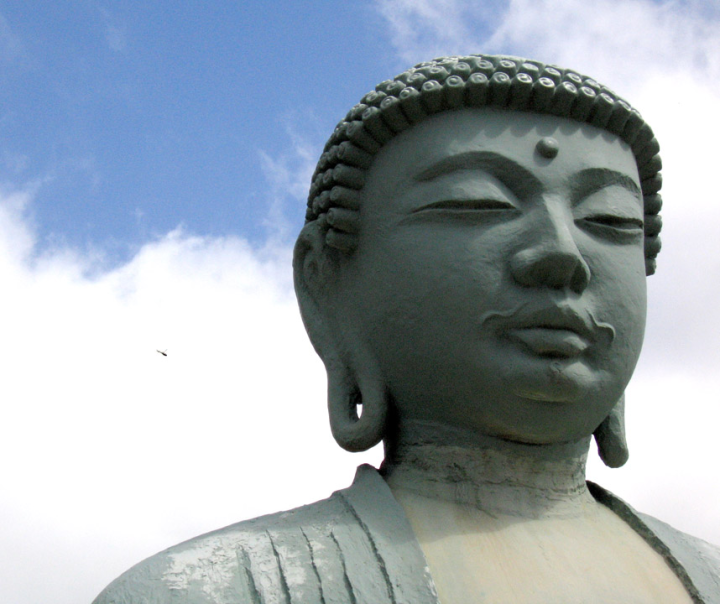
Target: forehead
{"points": [[510, 134]]}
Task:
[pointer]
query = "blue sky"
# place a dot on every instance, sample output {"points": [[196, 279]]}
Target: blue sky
{"points": [[136, 117], [154, 163]]}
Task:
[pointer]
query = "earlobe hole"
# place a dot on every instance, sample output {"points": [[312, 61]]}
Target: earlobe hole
{"points": [[356, 406]]}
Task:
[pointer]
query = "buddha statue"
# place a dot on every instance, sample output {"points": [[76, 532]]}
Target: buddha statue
{"points": [[472, 272]]}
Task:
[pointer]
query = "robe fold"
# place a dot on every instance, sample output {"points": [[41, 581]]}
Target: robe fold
{"points": [[356, 547]]}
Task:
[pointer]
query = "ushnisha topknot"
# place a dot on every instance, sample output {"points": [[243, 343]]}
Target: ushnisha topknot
{"points": [[448, 83]]}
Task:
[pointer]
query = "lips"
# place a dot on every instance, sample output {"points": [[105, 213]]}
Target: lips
{"points": [[551, 342], [555, 331]]}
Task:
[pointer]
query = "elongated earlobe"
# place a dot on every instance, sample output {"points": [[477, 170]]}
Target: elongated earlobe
{"points": [[610, 437], [345, 393], [348, 387]]}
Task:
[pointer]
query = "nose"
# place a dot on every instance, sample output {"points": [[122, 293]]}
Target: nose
{"points": [[549, 256]]}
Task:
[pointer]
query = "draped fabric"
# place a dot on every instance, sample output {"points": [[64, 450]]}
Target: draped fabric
{"points": [[357, 547]]}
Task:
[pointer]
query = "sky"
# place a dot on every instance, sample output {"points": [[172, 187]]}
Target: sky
{"points": [[154, 165]]}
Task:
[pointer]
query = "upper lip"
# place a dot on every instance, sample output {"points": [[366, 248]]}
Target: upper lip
{"points": [[561, 317]]}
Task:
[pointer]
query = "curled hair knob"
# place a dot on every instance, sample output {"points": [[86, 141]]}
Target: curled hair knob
{"points": [[410, 102], [344, 197], [358, 135], [574, 78], [520, 91], [563, 99], [461, 69], [416, 80], [653, 225], [552, 74], [349, 153], [583, 104], [651, 185], [653, 204], [342, 219], [619, 117], [651, 149], [632, 126], [454, 92], [373, 122], [601, 110], [507, 66], [542, 93], [499, 89], [476, 90], [392, 114], [652, 246], [432, 96], [651, 168]]}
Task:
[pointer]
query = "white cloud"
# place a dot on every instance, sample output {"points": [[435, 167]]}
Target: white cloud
{"points": [[616, 40], [111, 451], [621, 42], [664, 58], [423, 29], [288, 177]]}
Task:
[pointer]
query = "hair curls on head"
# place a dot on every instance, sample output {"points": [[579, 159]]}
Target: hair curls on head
{"points": [[473, 81]]}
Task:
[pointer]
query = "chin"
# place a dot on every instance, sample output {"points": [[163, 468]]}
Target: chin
{"points": [[541, 421]]}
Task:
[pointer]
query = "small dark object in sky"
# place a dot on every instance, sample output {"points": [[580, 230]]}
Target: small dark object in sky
{"points": [[163, 352]]}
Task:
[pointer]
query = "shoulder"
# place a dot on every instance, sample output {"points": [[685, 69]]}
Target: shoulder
{"points": [[695, 561], [232, 564], [700, 559], [355, 546]]}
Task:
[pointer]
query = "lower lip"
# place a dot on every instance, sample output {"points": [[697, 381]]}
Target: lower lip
{"points": [[544, 341]]}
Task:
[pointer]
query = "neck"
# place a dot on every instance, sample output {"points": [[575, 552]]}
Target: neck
{"points": [[495, 475]]}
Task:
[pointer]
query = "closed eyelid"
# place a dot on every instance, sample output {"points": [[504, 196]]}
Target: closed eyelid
{"points": [[466, 204], [467, 190], [614, 220], [591, 180]]}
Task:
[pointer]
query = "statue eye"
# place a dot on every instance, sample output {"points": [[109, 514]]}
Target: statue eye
{"points": [[468, 205], [612, 225], [613, 212]]}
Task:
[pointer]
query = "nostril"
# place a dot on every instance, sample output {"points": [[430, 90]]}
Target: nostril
{"points": [[556, 270], [581, 277]]}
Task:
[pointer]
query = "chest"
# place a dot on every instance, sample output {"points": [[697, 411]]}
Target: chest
{"points": [[476, 558]]}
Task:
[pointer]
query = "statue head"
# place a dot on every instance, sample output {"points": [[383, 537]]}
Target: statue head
{"points": [[478, 234]]}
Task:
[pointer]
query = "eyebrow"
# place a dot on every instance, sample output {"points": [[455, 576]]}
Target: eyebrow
{"points": [[522, 180], [511, 173], [591, 180]]}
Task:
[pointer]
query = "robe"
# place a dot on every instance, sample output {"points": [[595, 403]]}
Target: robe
{"points": [[356, 547]]}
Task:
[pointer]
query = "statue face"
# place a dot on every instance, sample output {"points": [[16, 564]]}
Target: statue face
{"points": [[498, 287]]}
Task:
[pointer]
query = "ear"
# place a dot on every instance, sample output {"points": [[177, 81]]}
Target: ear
{"points": [[313, 269], [610, 437], [353, 378]]}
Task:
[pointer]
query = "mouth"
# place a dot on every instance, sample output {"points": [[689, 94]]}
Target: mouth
{"points": [[558, 331], [551, 342]]}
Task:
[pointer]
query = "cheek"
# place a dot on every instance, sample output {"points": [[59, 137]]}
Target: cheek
{"points": [[619, 295], [446, 278], [630, 314], [416, 292]]}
